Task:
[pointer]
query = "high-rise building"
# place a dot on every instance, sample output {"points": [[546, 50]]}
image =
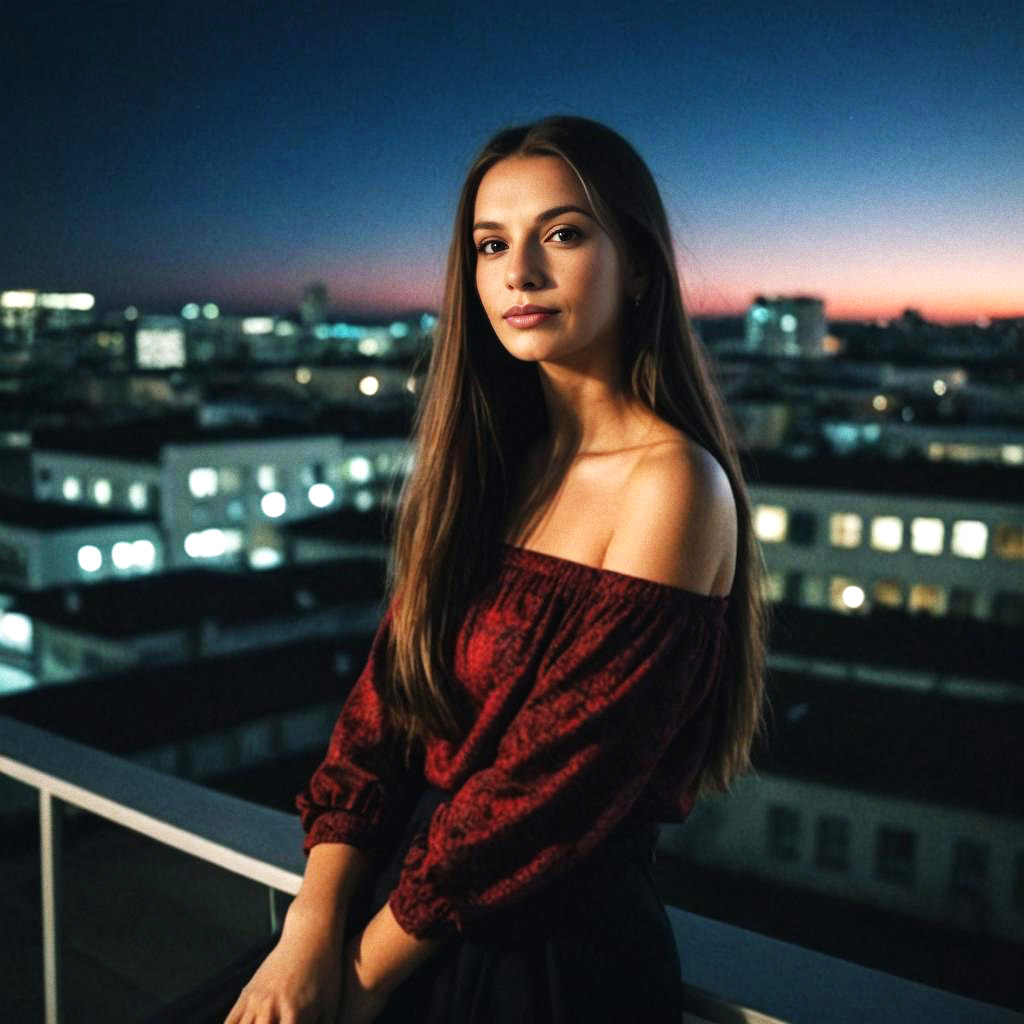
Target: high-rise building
{"points": [[313, 309], [787, 326]]}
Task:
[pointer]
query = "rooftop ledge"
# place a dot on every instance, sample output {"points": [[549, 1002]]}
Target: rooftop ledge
{"points": [[731, 975]]}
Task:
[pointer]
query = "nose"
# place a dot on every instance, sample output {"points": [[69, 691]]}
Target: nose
{"points": [[523, 271]]}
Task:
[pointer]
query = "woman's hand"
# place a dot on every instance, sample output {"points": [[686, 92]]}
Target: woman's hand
{"points": [[300, 980]]}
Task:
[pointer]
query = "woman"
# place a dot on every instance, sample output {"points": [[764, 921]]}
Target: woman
{"points": [[574, 639]]}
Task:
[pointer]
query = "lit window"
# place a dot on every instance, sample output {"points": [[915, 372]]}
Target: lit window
{"points": [[102, 492], [928, 597], [90, 558], [845, 594], [369, 385], [264, 558], [926, 535], [969, 538], [844, 529], [321, 495], [16, 631], [266, 478], [122, 555], [969, 874], [783, 832], [1008, 541], [202, 482], [894, 855], [358, 469], [72, 488], [143, 553], [773, 586], [887, 533], [137, 494], [832, 847], [211, 543], [770, 523], [888, 593], [273, 504]]}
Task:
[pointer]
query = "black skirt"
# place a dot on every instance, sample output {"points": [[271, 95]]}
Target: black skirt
{"points": [[593, 945]]}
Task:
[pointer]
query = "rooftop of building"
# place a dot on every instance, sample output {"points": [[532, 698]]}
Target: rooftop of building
{"points": [[168, 600]]}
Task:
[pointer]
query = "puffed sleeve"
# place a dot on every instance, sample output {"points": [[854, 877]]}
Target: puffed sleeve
{"points": [[626, 670], [361, 793]]}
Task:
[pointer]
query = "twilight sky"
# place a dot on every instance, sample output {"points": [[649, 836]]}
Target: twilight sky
{"points": [[164, 151]]}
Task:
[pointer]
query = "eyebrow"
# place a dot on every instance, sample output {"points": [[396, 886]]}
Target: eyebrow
{"points": [[555, 211]]}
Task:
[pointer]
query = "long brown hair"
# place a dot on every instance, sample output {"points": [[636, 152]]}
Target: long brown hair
{"points": [[479, 413]]}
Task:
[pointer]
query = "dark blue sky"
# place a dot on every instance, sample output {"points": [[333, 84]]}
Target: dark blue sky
{"points": [[162, 152]]}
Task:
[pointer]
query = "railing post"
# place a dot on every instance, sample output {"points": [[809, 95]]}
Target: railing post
{"points": [[50, 846]]}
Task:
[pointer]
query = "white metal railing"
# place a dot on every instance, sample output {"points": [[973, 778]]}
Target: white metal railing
{"points": [[729, 970]]}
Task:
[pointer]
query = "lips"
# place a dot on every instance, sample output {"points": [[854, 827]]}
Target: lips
{"points": [[523, 310], [525, 320]]}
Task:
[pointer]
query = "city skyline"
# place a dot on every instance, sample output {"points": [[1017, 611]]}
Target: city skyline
{"points": [[165, 155]]}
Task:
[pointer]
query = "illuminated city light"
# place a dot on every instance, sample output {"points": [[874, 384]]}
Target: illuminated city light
{"points": [[887, 533], [102, 492], [90, 558], [926, 535], [369, 385], [969, 538], [266, 478], [143, 553], [211, 311], [359, 469], [122, 555], [71, 488], [264, 558], [78, 301], [321, 495], [939, 387], [880, 402], [202, 482], [410, 385], [364, 500], [16, 630], [1013, 454], [131, 313], [190, 311], [303, 375], [398, 329], [258, 325], [770, 523], [209, 543], [845, 529], [368, 346], [787, 322], [18, 300], [273, 504], [853, 596], [137, 494]]}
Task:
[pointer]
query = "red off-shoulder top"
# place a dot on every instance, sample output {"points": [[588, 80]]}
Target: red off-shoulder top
{"points": [[594, 693]]}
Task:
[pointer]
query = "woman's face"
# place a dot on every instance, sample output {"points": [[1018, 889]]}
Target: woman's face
{"points": [[529, 253]]}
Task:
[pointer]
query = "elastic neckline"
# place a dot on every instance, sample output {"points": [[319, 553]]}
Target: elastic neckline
{"points": [[556, 565]]}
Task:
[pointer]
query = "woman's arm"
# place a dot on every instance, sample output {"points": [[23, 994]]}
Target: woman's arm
{"points": [[301, 978]]}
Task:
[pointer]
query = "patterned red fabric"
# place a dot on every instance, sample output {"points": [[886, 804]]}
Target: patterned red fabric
{"points": [[593, 692]]}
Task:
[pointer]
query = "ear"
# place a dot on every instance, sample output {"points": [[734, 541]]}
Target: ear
{"points": [[638, 280]]}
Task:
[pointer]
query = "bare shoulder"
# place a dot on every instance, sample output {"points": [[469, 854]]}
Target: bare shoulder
{"points": [[676, 522]]}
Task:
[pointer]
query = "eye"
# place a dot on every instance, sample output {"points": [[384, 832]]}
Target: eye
{"points": [[482, 247]]}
